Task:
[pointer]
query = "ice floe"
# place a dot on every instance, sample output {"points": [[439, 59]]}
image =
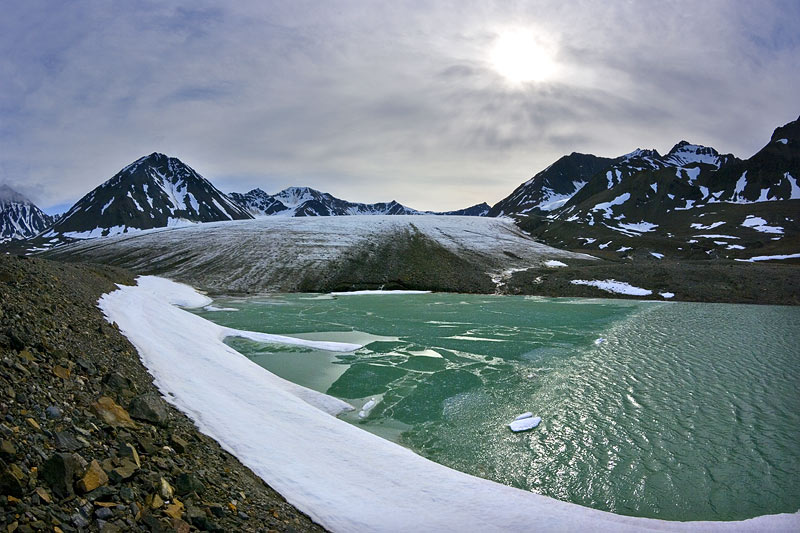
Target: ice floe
{"points": [[377, 293], [364, 412], [524, 422]]}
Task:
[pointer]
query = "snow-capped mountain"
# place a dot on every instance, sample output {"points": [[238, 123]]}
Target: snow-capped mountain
{"points": [[19, 217], [678, 199], [477, 210], [258, 203], [154, 191], [308, 202], [552, 187], [577, 177]]}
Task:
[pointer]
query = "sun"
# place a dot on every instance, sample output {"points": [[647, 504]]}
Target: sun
{"points": [[521, 56]]}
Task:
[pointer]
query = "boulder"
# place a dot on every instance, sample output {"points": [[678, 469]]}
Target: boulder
{"points": [[151, 408]]}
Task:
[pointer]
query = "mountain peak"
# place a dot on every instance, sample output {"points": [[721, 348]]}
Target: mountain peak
{"points": [[790, 131], [7, 194], [641, 153], [685, 153]]}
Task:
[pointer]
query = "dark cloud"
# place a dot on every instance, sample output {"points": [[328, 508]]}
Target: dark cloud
{"points": [[374, 101]]}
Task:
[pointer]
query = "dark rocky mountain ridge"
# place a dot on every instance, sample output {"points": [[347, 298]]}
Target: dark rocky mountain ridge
{"points": [[645, 202], [153, 191]]}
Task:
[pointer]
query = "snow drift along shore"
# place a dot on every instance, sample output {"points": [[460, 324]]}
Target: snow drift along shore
{"points": [[344, 478]]}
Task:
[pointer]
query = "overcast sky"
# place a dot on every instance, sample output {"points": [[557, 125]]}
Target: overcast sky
{"points": [[373, 101]]}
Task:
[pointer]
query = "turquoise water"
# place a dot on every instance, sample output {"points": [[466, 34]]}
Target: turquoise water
{"points": [[683, 411]]}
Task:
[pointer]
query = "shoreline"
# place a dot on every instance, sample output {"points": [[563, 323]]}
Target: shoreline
{"points": [[330, 483]]}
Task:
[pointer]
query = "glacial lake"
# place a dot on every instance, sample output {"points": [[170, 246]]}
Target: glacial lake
{"points": [[678, 411]]}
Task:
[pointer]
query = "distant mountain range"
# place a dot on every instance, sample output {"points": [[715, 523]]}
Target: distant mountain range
{"points": [[692, 202], [306, 202], [158, 191]]}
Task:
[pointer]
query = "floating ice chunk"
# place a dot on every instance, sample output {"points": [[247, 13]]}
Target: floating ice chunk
{"points": [[657, 255], [666, 295], [783, 141], [524, 416], [376, 293], [214, 308], [524, 424], [364, 412], [600, 341]]}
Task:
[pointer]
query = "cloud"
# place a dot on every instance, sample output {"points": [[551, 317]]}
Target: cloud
{"points": [[378, 101]]}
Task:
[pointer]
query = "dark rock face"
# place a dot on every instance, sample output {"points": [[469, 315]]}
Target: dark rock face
{"points": [[59, 472], [90, 469], [151, 408]]}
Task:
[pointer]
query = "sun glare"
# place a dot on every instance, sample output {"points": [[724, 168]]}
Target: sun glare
{"points": [[521, 56]]}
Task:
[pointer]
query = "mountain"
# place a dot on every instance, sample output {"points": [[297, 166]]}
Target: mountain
{"points": [[477, 210], [576, 177], [19, 217], [691, 202], [152, 192], [258, 203], [308, 202], [551, 187]]}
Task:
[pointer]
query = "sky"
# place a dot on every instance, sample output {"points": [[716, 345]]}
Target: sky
{"points": [[436, 104]]}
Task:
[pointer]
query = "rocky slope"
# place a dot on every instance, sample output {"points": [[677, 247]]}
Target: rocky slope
{"points": [[19, 217], [86, 442]]}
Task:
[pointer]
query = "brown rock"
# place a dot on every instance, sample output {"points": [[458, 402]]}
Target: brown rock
{"points": [[44, 495], [123, 472], [34, 424], [178, 444], [7, 448], [174, 510], [112, 413], [154, 501], [180, 526], [61, 372], [93, 478]]}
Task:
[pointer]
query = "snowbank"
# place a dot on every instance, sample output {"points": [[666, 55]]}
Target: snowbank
{"points": [[344, 478], [612, 285]]}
